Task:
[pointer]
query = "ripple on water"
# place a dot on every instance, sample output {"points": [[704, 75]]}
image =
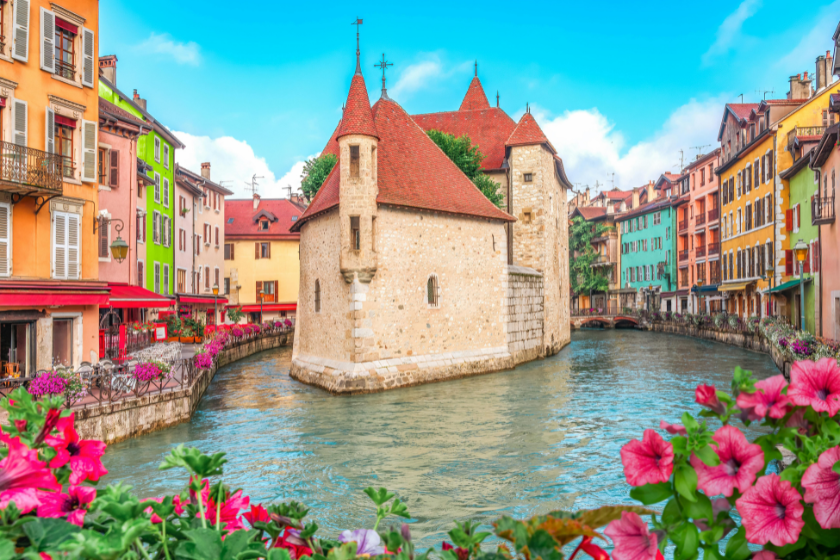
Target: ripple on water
{"points": [[541, 437]]}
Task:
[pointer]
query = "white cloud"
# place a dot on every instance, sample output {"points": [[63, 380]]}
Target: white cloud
{"points": [[592, 149], [234, 162], [182, 53], [729, 32], [427, 73]]}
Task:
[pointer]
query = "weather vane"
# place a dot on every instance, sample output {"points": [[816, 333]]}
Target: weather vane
{"points": [[383, 64], [357, 23]]}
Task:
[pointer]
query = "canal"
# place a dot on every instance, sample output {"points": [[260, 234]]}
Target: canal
{"points": [[544, 436]]}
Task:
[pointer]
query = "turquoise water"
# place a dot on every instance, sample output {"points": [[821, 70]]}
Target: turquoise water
{"points": [[544, 436]]}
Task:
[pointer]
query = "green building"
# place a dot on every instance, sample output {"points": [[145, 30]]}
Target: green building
{"points": [[647, 254], [800, 179], [157, 150]]}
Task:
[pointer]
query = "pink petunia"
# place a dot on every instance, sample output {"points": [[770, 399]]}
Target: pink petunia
{"points": [[631, 538], [706, 395], [740, 463], [816, 384], [230, 507], [822, 488], [768, 400], [22, 475], [73, 504], [257, 513], [765, 555], [649, 461], [771, 511], [675, 429], [84, 455]]}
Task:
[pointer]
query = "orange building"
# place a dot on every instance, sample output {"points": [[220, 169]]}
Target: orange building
{"points": [[49, 287]]}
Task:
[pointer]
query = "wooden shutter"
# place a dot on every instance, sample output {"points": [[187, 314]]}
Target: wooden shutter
{"points": [[157, 278], [165, 192], [268, 250], [5, 240], [49, 131], [259, 289], [47, 40], [157, 149], [817, 256], [89, 151], [770, 163], [20, 32], [157, 187], [217, 236], [788, 262], [756, 174], [59, 245], [20, 120], [103, 237], [217, 276], [166, 156], [256, 250], [788, 220], [144, 229], [764, 169], [232, 246], [798, 216], [87, 57], [807, 263], [207, 277], [275, 291], [114, 167]]}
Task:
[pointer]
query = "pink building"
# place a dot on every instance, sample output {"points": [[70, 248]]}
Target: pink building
{"points": [[702, 215]]}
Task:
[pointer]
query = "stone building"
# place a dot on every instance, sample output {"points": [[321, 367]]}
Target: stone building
{"points": [[408, 274]]}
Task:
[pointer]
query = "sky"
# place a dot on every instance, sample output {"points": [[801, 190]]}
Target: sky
{"points": [[619, 89]]}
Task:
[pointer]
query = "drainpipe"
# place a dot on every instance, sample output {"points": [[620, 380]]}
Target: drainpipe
{"points": [[818, 276], [775, 220]]}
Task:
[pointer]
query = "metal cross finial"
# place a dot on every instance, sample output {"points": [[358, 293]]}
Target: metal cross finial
{"points": [[497, 98], [476, 69], [383, 64], [357, 23]]}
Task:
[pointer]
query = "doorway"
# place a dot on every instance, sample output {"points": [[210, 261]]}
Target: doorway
{"points": [[16, 346], [63, 342]]}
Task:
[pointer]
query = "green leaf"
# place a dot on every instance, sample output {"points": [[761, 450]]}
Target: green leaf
{"points": [[736, 548], [309, 530], [346, 551], [680, 445], [829, 538], [207, 543], [699, 509], [652, 493], [712, 553], [836, 467], [687, 539], [685, 482], [672, 514], [399, 509], [380, 496], [708, 456], [689, 422], [542, 545], [47, 533], [278, 554], [603, 515], [194, 461], [7, 549]]}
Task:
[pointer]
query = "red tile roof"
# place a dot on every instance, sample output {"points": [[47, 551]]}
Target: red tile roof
{"points": [[527, 132], [591, 212], [489, 128], [357, 118], [475, 98], [742, 110], [326, 197], [240, 214], [332, 143]]}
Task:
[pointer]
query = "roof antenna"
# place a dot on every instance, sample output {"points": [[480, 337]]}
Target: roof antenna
{"points": [[742, 98], [527, 107], [384, 66], [497, 98], [357, 23]]}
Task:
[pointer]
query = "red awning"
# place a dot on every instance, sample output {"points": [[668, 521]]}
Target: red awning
{"points": [[205, 300], [2, 99], [124, 296], [268, 307], [65, 121], [49, 299], [60, 23]]}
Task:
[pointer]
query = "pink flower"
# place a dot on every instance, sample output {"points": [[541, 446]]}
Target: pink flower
{"points": [[22, 474], [82, 454], [822, 488], [771, 511], [816, 384], [229, 512], [73, 504], [676, 429], [740, 462], [768, 400], [797, 420], [155, 517], [765, 555], [649, 461], [706, 395], [257, 513], [631, 538]]}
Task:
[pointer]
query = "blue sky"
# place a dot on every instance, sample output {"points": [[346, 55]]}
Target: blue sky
{"points": [[257, 87]]}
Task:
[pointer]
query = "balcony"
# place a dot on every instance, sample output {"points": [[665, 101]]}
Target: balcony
{"points": [[803, 131], [714, 215], [25, 171], [683, 225], [714, 248], [714, 274], [683, 255], [603, 260], [822, 210], [700, 219], [700, 251]]}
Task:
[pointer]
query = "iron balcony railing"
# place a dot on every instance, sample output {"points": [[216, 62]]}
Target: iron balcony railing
{"points": [[601, 260], [683, 255], [714, 248], [683, 225], [25, 169], [700, 251], [700, 219], [714, 214], [822, 210]]}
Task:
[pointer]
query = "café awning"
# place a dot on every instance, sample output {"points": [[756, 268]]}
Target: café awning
{"points": [[124, 296], [789, 285], [40, 294], [206, 300], [268, 307], [734, 287]]}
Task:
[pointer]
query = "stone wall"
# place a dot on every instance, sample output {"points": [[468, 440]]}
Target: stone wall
{"points": [[526, 316]]}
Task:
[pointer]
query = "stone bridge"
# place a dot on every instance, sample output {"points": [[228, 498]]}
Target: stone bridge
{"points": [[604, 321]]}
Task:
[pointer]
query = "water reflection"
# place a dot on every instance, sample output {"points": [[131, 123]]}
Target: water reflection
{"points": [[542, 437]]}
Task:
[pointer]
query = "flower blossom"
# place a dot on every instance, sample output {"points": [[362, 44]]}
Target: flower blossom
{"points": [[84, 455], [73, 504], [740, 463], [461, 553], [768, 400], [674, 429], [706, 395], [632, 539], [822, 488], [291, 541], [367, 541], [22, 474], [649, 461], [257, 514], [771, 511], [816, 385]]}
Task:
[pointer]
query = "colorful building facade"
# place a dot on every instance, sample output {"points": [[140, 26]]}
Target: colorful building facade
{"points": [[646, 253]]}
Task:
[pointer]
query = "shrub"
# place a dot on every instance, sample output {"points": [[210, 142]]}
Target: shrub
{"points": [[202, 360], [148, 371], [48, 383]]}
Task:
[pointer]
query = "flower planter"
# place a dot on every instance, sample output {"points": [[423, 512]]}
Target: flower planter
{"points": [[172, 339]]}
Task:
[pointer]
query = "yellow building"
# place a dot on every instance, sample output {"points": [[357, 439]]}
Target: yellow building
{"points": [[49, 113], [756, 139], [262, 256]]}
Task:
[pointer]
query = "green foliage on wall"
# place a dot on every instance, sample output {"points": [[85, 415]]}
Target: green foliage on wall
{"points": [[466, 156], [584, 277], [315, 172]]}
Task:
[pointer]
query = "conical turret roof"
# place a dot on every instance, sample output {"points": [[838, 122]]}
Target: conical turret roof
{"points": [[357, 118], [527, 132], [475, 98]]}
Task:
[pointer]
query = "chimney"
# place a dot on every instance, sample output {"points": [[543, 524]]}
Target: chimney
{"points": [[139, 100], [256, 201], [108, 68], [651, 191], [610, 208], [205, 170], [800, 87], [823, 70], [635, 198]]}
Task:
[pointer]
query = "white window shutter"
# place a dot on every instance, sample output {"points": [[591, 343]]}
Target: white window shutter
{"points": [[89, 151], [20, 33], [166, 192], [47, 40], [166, 156], [157, 278], [73, 249], [20, 120], [157, 184], [49, 133], [59, 245], [157, 149], [165, 280], [5, 240], [87, 57]]}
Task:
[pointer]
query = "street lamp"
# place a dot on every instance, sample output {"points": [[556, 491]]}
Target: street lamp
{"points": [[699, 295], [215, 302], [801, 251], [119, 248]]}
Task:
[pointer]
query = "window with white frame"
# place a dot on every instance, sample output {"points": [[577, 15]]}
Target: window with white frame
{"points": [[166, 156], [157, 149], [157, 278], [5, 238], [165, 285], [165, 192], [66, 45], [66, 248]]}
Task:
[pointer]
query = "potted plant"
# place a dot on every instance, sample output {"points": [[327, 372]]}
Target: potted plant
{"points": [[187, 336]]}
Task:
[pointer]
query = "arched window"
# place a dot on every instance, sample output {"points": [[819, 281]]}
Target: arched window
{"points": [[317, 296], [433, 291]]}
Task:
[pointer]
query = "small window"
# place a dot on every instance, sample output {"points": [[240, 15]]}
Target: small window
{"points": [[263, 225], [526, 217], [230, 220], [432, 291], [355, 233], [227, 286], [294, 219], [265, 250], [317, 296], [529, 177], [229, 251], [354, 161]]}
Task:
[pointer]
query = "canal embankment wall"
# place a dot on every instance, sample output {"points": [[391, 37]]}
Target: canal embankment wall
{"points": [[132, 417]]}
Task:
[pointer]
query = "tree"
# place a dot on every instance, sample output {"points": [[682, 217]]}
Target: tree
{"points": [[466, 156], [235, 314], [315, 172], [584, 277]]}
